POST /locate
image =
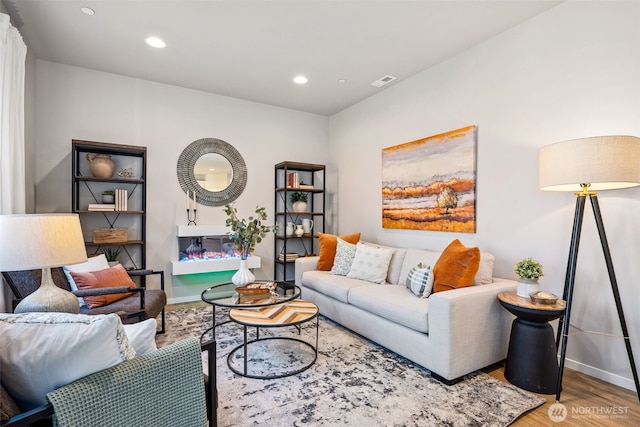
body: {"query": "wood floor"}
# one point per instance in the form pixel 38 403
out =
pixel 589 401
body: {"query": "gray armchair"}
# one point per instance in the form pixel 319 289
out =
pixel 161 388
pixel 143 304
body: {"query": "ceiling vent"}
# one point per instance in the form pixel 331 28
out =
pixel 383 81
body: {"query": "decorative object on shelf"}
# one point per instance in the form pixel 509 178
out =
pixel 110 235
pixel 291 227
pixel 307 225
pixel 299 230
pixel 125 173
pixel 245 234
pixel 191 221
pixel 101 165
pixel 42 241
pixel 108 196
pixel 206 148
pixel 584 166
pixel 112 254
pixel 528 271
pixel 298 201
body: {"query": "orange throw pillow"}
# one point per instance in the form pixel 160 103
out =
pixel 456 267
pixel 107 278
pixel 328 245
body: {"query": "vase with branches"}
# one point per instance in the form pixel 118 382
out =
pixel 246 233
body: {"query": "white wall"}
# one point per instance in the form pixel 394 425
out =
pixel 571 72
pixel 76 103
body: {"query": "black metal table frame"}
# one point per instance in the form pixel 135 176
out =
pixel 212 348
pixel 245 344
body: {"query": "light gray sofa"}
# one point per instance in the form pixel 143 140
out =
pixel 451 333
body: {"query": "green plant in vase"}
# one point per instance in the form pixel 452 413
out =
pixel 298 201
pixel 112 254
pixel 529 271
pixel 245 235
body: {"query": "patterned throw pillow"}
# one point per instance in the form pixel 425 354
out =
pixel 420 280
pixel 370 263
pixel 345 252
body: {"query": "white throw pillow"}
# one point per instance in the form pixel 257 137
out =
pixel 484 276
pixel 370 263
pixel 420 281
pixel 345 252
pixel 94 263
pixel 40 352
pixel 142 336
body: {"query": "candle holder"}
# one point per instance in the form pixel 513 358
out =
pixel 195 216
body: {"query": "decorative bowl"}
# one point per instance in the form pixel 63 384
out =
pixel 542 297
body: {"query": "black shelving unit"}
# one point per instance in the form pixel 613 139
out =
pixel 87 189
pixel 312 175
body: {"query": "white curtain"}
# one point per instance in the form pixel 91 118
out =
pixel 13 53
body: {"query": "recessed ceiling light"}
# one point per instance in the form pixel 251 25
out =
pixel 342 81
pixel 300 80
pixel 87 10
pixel 155 42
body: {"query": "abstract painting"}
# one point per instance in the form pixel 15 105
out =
pixel 430 184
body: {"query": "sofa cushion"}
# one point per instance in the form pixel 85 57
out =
pixel 414 257
pixel 40 352
pixel 484 276
pixel 420 280
pixel 108 278
pixel 395 265
pixel 142 336
pixel 94 263
pixel 395 303
pixel 345 252
pixel 334 286
pixel 456 267
pixel 370 263
pixel 328 244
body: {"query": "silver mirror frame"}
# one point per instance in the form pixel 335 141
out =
pixel 187 179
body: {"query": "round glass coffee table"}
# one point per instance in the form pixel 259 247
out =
pixel 225 296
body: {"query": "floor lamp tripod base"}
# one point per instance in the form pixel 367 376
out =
pixel 570 280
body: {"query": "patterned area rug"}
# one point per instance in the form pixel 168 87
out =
pixel 353 382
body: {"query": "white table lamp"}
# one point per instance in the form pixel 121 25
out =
pixel 42 241
pixel 585 166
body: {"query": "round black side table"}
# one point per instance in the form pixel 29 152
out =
pixel 532 359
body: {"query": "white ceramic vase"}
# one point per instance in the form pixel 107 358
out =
pixel 299 206
pixel 527 287
pixel 243 276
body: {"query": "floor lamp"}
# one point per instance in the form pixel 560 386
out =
pixel 585 166
pixel 42 241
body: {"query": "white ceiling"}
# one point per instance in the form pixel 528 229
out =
pixel 252 49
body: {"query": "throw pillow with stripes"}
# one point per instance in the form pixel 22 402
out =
pixel 420 280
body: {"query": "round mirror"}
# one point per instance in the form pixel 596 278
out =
pixel 212 169
pixel 213 172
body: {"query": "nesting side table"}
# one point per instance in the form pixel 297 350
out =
pixel 532 360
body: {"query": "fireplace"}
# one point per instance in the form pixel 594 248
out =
pixel 203 249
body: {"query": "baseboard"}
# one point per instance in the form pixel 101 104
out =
pixel 182 300
pixel 601 375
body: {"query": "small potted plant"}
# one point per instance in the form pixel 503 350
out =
pixel 298 201
pixel 528 271
pixel 108 197
pixel 111 254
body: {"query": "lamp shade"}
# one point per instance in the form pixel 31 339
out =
pixel 36 241
pixel 603 162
